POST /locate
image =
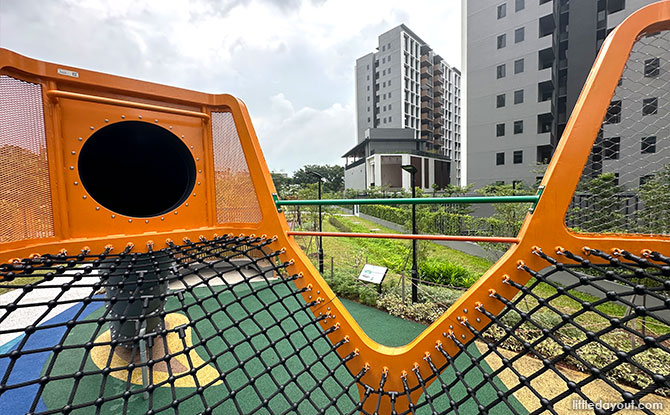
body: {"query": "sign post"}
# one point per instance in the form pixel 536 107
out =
pixel 374 274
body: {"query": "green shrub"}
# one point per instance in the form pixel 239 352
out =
pixel 347 286
pixel 422 312
pixel 446 273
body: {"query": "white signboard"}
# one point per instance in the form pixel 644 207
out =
pixel 357 210
pixel 373 274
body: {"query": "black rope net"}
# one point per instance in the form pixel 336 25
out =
pixel 219 326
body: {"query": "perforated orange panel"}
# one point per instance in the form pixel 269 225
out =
pixel 25 201
pixel 236 200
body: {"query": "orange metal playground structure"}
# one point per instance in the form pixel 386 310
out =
pixel 118 165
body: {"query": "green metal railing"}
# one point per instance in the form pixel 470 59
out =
pixel 410 201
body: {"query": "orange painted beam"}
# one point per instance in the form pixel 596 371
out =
pixel 500 239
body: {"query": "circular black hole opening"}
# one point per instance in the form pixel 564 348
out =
pixel 137 169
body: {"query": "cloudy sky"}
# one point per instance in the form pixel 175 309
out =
pixel 291 61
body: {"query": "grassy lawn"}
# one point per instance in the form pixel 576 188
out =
pixel 390 253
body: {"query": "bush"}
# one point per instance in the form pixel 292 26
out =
pixel 422 312
pixel 347 286
pixel 446 273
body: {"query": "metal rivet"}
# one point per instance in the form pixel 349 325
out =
pixel 479 320
pixel 97 208
pixel 191 147
pixel 71 167
pixel 155 120
pixel 197 159
pixel 83 197
pixel 458 318
pixel 92 128
pixel 444 334
pixel 198 183
pixel 123 116
pixel 113 216
pixel 451 326
pixel 106 120
pixel 162 217
pixel 309 298
pixel 199 171
pixel 79 138
pixel 76 183
pixel 170 127
pixel 462 336
pixel 146 221
pixel 193 194
pixel 175 212
pixel 318 292
pixel 465 310
pixel 182 136
pixel 73 152
pixel 186 205
pixel 139 116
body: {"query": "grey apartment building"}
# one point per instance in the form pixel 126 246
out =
pixel 526 64
pixel 406 90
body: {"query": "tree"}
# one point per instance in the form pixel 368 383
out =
pixel 600 208
pixel 508 216
pixel 334 176
pixel 655 196
pixel 282 184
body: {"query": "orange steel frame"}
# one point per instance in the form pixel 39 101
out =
pixel 79 224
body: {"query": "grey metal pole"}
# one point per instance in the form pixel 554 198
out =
pixel 415 282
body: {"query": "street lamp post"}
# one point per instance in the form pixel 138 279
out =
pixel 320 179
pixel 412 171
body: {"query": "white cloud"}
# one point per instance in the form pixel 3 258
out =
pixel 291 138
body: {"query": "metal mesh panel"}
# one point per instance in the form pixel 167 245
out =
pixel 236 200
pixel 25 201
pixel 236 337
pixel 625 186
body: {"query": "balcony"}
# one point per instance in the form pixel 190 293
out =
pixel 438 69
pixel 426 95
pixel 438 81
pixel 439 91
pixel 425 61
pixel 438 131
pixel 438 121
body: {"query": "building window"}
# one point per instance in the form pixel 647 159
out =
pixel 502 10
pixel 518 66
pixel 502 41
pixel 500 130
pixel 500 101
pixel 500 159
pixel 648 145
pixel 390 107
pixel 390 119
pixel 611 147
pixel 652 67
pixel 614 6
pixel 645 179
pixel 518 96
pixel 518 157
pixel 518 127
pixel 368 99
pixel 649 106
pixel 368 119
pixel 500 71
pixel 613 113
pixel 519 35
pixel 389 95
pixel 519 5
